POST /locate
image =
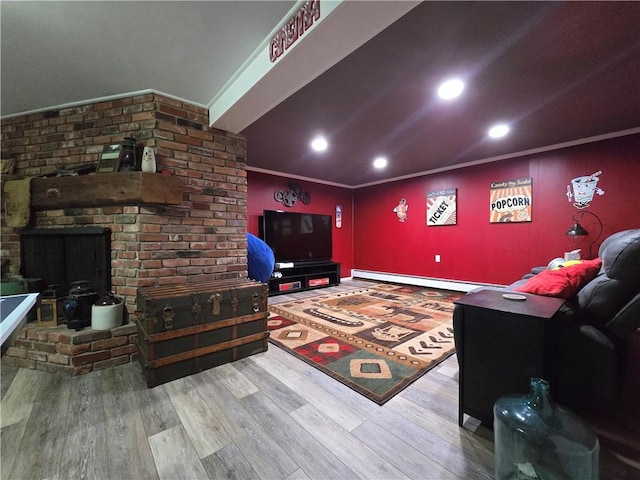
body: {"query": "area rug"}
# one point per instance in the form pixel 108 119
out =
pixel 376 340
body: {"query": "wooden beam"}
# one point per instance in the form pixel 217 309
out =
pixel 105 189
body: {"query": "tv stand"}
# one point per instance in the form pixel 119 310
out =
pixel 304 276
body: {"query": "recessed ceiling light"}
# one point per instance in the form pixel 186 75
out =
pixel 319 144
pixel 450 89
pixel 380 162
pixel 499 131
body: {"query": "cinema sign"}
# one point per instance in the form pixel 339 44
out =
pixel 299 23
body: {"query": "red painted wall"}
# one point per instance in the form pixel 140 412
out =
pixel 474 250
pixel 323 199
pixel 477 251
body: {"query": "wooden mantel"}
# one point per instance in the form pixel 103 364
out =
pixel 105 189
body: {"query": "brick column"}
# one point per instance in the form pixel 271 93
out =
pixel 203 239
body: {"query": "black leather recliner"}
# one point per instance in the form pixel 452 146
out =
pixel 591 367
pixel 591 333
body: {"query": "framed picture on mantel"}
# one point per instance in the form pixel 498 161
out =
pixel 109 159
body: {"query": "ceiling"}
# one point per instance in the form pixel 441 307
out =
pixel 559 73
pixel 60 52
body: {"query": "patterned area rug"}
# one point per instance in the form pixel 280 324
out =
pixel 376 340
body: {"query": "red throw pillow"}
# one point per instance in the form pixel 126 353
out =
pixel 564 282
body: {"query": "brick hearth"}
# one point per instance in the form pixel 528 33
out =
pixel 70 352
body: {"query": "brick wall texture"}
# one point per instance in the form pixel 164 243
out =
pixel 203 239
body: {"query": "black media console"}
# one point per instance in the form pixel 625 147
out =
pixel 303 276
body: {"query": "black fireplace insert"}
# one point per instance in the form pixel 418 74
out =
pixel 65 255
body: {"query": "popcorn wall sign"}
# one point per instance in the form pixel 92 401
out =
pixel 511 201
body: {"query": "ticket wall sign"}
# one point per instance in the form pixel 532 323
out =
pixel 511 201
pixel 441 207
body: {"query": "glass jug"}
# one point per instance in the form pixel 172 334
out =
pixel 536 438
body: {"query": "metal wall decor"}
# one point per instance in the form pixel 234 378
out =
pixel 295 27
pixel 289 197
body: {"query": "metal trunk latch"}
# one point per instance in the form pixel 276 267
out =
pixel 214 300
pixel 255 302
pixel 168 315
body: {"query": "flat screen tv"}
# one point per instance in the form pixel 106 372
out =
pixel 298 237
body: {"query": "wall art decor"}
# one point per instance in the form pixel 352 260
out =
pixel 441 207
pixel 582 189
pixel 401 210
pixel 338 216
pixel 289 197
pixel 511 201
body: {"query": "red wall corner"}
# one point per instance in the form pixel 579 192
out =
pixel 261 188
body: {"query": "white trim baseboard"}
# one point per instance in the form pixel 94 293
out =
pixel 442 283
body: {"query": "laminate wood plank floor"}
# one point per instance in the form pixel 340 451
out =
pixel 270 416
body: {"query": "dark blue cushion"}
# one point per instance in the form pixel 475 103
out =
pixel 260 258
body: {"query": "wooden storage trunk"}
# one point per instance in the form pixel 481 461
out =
pixel 189 328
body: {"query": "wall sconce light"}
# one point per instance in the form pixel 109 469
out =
pixel 578 230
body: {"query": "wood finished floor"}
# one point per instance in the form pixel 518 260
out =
pixel 269 416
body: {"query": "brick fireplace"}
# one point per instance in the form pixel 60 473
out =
pixel 202 239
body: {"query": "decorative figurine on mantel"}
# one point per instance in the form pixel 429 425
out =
pixel 148 163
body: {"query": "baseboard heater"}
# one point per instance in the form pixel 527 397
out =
pixel 441 283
